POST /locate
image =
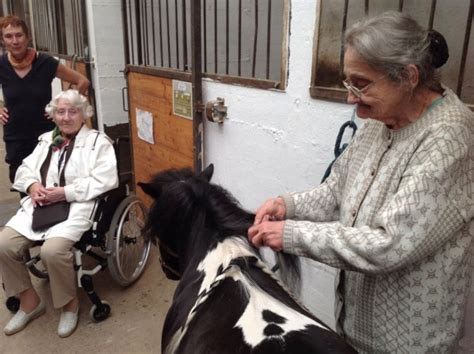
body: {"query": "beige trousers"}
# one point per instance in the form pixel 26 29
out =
pixel 56 256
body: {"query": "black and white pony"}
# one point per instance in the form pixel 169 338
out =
pixel 227 300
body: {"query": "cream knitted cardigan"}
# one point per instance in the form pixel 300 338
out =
pixel 396 214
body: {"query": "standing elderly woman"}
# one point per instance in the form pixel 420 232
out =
pixel 90 170
pixel 396 213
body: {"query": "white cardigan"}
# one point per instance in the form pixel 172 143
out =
pixel 90 171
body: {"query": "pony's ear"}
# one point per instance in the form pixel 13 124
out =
pixel 207 173
pixel 149 189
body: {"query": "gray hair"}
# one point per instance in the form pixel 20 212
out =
pixel 75 99
pixel 392 40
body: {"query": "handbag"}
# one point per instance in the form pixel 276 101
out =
pixel 46 216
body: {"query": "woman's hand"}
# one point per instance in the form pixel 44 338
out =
pixel 267 233
pixel 37 193
pixel 4 116
pixel 272 209
pixel 54 195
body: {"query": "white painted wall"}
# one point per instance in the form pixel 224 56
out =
pixel 275 142
pixel 106 50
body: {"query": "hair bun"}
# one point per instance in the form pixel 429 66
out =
pixel 438 49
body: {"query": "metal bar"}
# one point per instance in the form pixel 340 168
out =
pixel 74 25
pixel 52 25
pixel 432 14
pixel 62 47
pixel 284 47
pixel 197 86
pixel 185 37
pixel 168 32
pixel 126 48
pixel 141 30
pixel 176 25
pixel 269 37
pixel 255 39
pixel 215 36
pixel 153 31
pixel 239 45
pixel 343 30
pixel 465 48
pixel 366 7
pixel 400 5
pixel 84 32
pixel 227 37
pixel 138 32
pixel 48 31
pixel 161 32
pixel 38 20
pixel 130 19
pixel 39 25
pixel 146 42
pixel 204 18
pixel 44 33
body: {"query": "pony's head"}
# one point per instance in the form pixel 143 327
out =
pixel 185 205
pixel 171 212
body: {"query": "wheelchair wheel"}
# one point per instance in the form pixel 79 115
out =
pixel 101 312
pixel 127 248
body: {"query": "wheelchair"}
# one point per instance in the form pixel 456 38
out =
pixel 114 241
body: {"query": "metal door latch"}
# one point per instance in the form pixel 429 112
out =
pixel 216 111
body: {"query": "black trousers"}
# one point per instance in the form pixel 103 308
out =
pixel 16 151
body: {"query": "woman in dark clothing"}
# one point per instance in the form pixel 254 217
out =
pixel 26 78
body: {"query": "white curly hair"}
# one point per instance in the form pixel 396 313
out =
pixel 75 99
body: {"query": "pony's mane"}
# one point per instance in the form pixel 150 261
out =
pixel 185 200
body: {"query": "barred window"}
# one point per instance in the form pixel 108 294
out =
pixel 243 41
pixel 60 27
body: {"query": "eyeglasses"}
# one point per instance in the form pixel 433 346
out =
pixel 358 92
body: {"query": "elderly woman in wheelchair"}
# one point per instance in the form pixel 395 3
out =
pixel 70 167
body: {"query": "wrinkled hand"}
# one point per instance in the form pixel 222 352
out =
pixel 4 116
pixel 272 209
pixel 54 195
pixel 267 233
pixel 37 193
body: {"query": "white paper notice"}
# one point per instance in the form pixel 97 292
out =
pixel 145 125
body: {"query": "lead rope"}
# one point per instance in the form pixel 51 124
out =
pixel 338 149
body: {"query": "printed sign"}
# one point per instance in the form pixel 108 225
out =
pixel 182 99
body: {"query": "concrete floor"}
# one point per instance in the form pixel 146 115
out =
pixel 137 311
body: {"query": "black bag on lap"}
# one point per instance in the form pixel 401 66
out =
pixel 47 216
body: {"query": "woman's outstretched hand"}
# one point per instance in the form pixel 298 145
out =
pixel 274 209
pixel 267 233
pixel 267 229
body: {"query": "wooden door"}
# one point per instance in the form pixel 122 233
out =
pixel 172 134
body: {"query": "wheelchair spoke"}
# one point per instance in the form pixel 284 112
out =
pixel 131 248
